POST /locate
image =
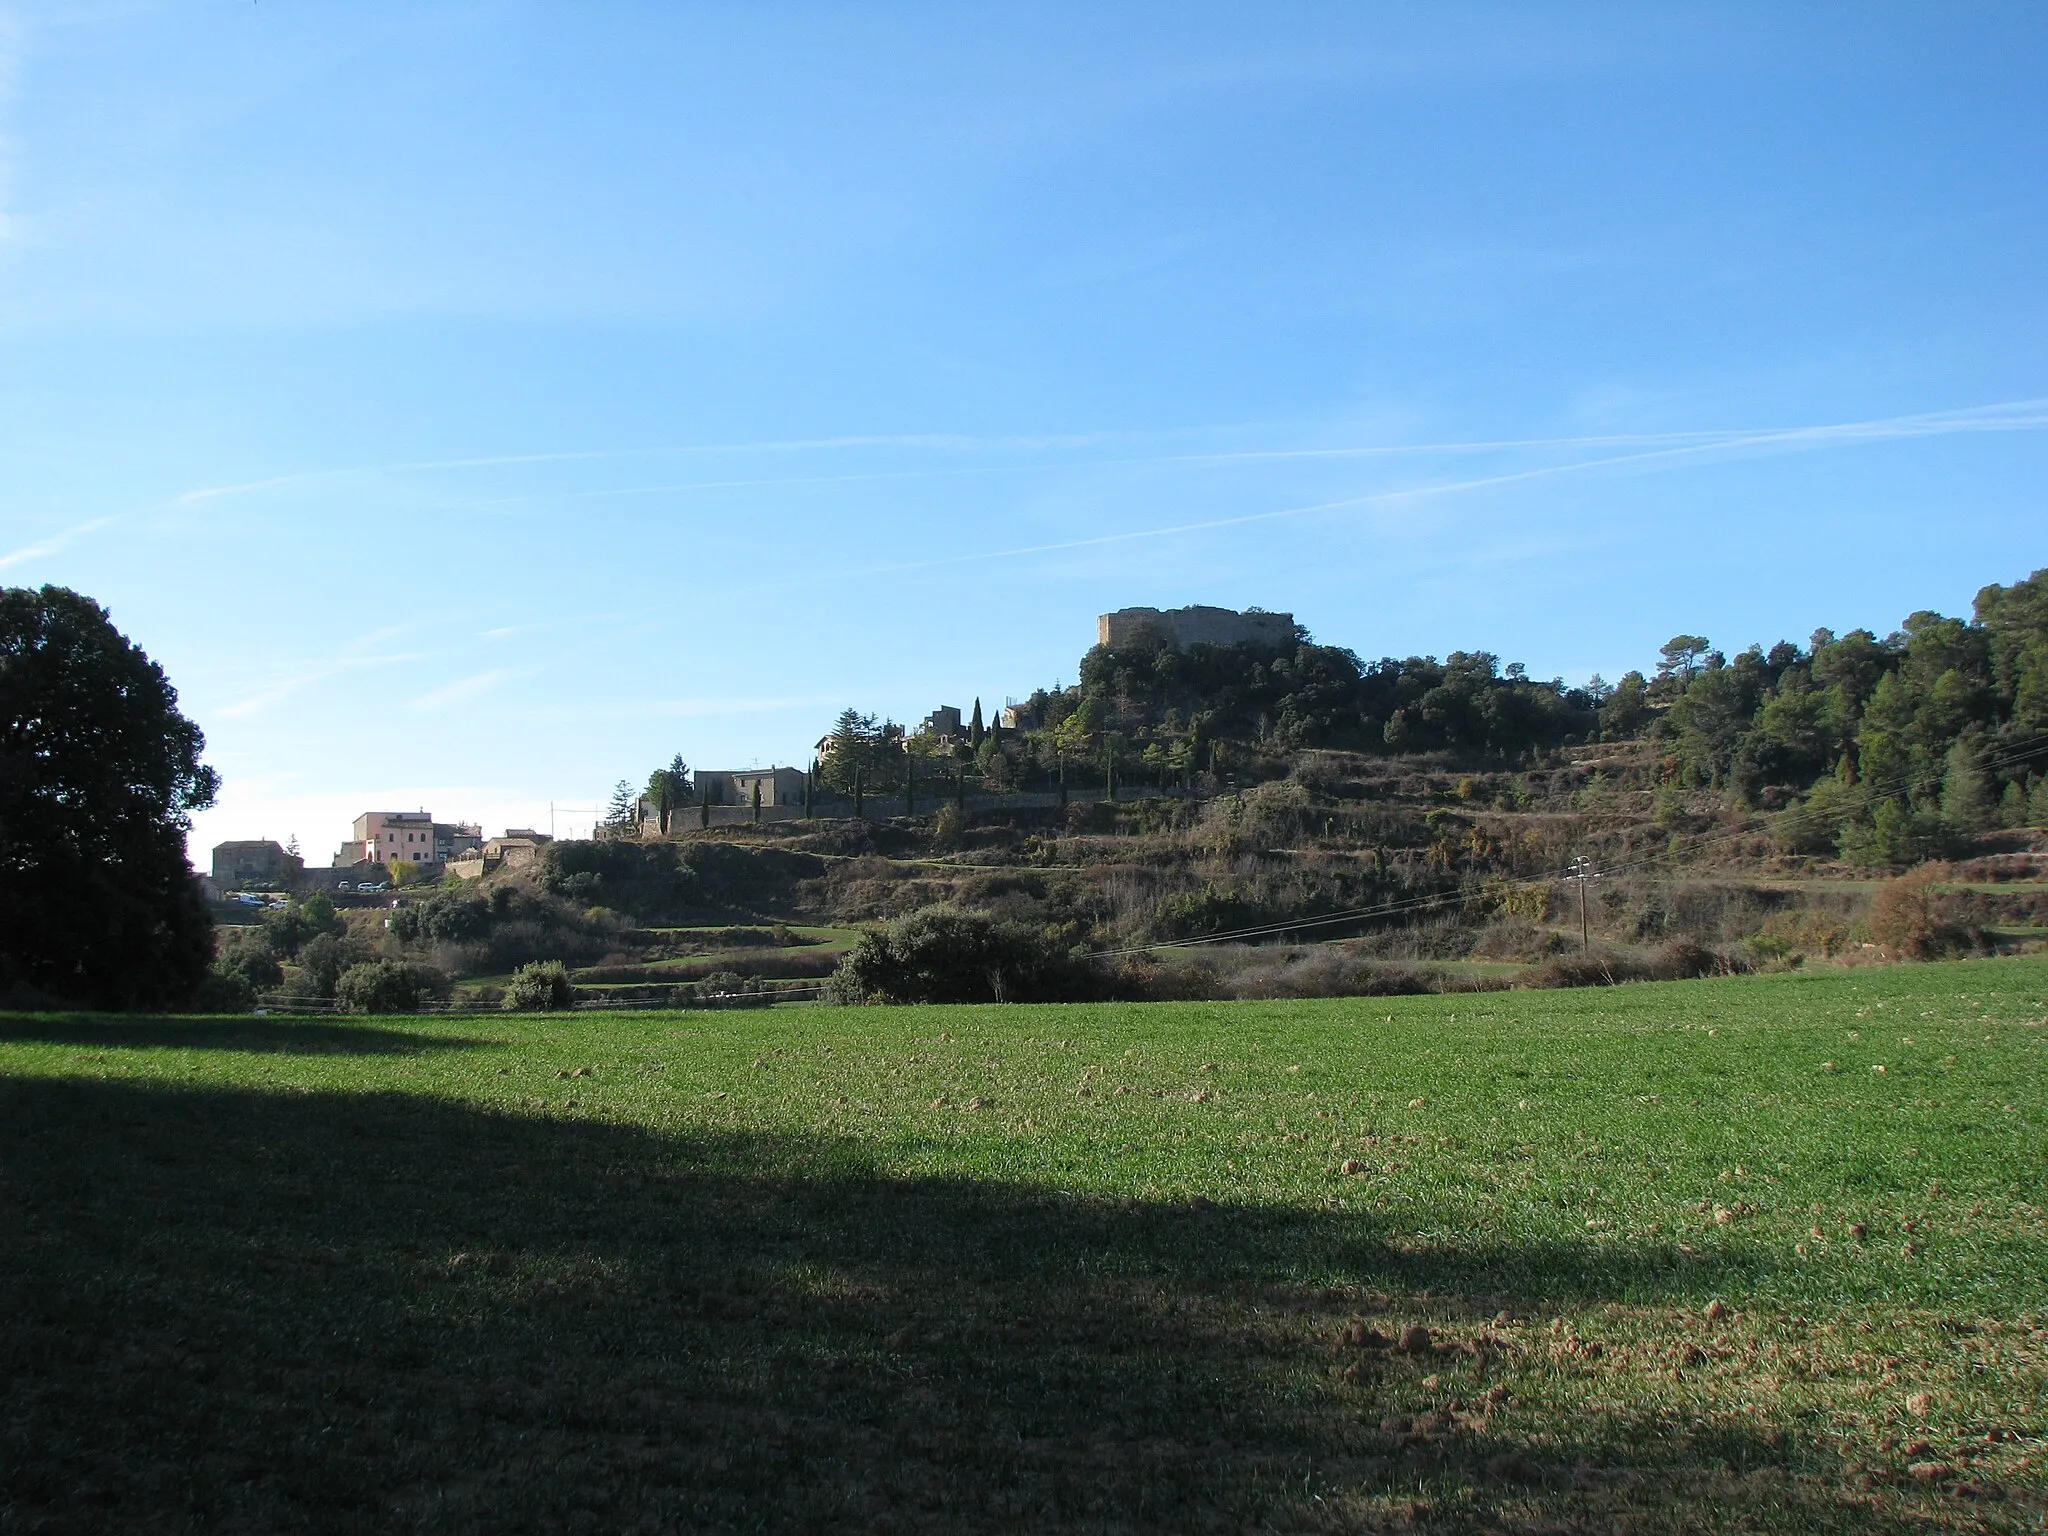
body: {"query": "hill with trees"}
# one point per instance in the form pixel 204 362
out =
pixel 1294 820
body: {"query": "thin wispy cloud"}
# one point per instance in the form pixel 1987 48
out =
pixel 2003 416
pixel 305 677
pixel 1635 448
pixel 55 543
pixel 463 688
pixel 1676 449
pixel 926 440
pixel 680 709
pixel 1785 438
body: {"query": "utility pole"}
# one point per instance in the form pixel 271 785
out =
pixel 1582 871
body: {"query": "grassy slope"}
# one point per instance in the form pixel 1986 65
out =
pixel 774 1270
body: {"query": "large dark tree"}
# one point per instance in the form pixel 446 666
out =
pixel 99 775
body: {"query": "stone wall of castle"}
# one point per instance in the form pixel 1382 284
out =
pixel 1197 626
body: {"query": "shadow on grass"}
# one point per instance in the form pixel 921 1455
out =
pixel 248 1310
pixel 235 1032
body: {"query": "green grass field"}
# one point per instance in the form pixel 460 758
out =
pixel 1760 1254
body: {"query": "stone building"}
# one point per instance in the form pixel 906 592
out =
pixel 1183 627
pixel 261 862
pixel 779 786
pixel 518 848
pixel 945 724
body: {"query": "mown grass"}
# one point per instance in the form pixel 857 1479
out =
pixel 1687 1258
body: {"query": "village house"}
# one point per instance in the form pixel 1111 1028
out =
pixel 378 837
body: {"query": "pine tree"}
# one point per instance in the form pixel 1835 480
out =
pixel 1967 802
pixel 2012 806
pixel 624 809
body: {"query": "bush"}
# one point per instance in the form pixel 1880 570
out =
pixel 1791 937
pixel 729 989
pixel 944 956
pixel 321 962
pixel 1908 919
pixel 1681 960
pixel 542 987
pixel 1194 914
pixel 245 953
pixel 1328 971
pixel 292 927
pixel 457 916
pixel 223 992
pixel 385 986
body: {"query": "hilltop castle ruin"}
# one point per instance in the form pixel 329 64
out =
pixel 1198 626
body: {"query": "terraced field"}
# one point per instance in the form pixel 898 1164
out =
pixel 1764 1253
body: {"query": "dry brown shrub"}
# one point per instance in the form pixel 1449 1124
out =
pixel 1909 918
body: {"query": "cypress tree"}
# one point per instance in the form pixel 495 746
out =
pixel 807 788
pixel 974 730
pixel 757 802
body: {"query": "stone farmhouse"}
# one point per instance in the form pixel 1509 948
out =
pixel 518 848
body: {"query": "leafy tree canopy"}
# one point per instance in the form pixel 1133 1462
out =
pixel 1932 733
pixel 99 777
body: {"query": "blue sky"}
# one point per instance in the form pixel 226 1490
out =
pixel 472 404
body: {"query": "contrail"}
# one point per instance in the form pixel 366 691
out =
pixel 1933 424
pixel 2005 416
